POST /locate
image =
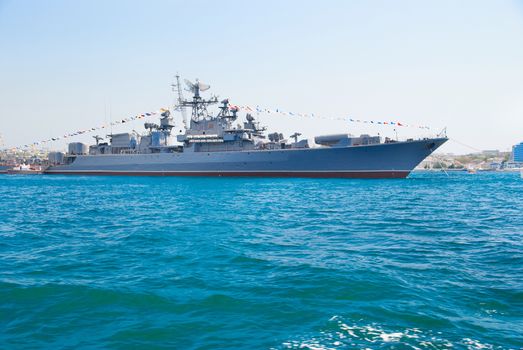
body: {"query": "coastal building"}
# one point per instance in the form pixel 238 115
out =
pixel 495 165
pixel 517 153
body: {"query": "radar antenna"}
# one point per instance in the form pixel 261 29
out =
pixel 198 105
pixel 191 87
pixel 196 87
pixel 202 86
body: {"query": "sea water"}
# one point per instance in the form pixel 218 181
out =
pixel 429 262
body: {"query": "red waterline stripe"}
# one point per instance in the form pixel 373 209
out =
pixel 310 174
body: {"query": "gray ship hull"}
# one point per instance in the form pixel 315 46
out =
pixel 386 160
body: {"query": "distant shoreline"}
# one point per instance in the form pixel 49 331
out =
pixel 511 170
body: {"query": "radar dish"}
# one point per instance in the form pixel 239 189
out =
pixel 203 87
pixel 189 84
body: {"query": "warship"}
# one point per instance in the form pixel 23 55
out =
pixel 217 144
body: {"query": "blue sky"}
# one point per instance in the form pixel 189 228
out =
pixel 68 65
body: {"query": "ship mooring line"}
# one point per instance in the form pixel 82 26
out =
pixel 464 144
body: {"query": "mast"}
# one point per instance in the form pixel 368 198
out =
pixel 180 105
pixel 198 104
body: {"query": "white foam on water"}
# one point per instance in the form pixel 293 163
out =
pixel 388 337
pixel 370 336
pixel 474 344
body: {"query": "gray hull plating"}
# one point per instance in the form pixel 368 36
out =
pixel 380 160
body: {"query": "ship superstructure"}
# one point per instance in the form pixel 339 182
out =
pixel 219 145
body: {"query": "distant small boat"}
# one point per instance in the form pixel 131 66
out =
pixel 471 171
pixel 25 170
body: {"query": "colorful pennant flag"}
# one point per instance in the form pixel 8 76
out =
pixel 81 132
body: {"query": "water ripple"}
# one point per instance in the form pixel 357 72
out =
pixel 431 262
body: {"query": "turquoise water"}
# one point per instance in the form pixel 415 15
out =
pixel 430 262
